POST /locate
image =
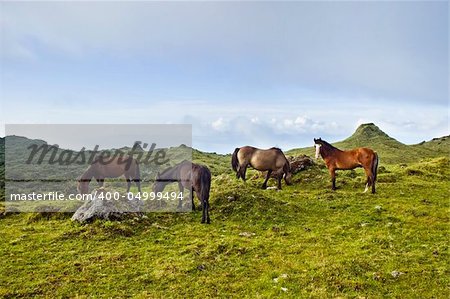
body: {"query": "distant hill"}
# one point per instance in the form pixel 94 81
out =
pixel 440 145
pixel 390 150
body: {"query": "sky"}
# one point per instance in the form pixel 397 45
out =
pixel 242 73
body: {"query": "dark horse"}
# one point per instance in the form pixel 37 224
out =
pixel 113 168
pixel 190 176
pixel 336 159
pixel 272 160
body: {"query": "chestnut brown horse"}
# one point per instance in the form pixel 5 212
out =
pixel 113 168
pixel 270 160
pixel 336 159
pixel 191 176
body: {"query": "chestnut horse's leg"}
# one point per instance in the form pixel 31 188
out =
pixel 333 178
pixel 264 185
pixel 369 179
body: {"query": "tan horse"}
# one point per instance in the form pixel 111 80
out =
pixel 272 160
pixel 112 168
pixel 336 159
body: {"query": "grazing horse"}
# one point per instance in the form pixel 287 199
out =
pixel 113 168
pixel 336 159
pixel 272 160
pixel 190 176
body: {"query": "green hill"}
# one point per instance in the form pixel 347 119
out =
pixel 301 242
pixel 389 149
pixel 438 145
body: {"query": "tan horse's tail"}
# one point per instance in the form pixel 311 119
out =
pixel 234 160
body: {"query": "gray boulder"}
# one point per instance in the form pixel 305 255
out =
pixel 108 209
pixel 300 163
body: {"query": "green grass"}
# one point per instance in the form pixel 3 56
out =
pixel 307 239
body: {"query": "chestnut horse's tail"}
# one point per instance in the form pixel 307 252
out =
pixel 375 167
pixel 234 160
pixel 374 170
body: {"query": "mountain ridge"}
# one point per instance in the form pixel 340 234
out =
pixel 366 135
pixel 389 149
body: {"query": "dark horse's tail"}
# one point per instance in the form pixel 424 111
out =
pixel 374 170
pixel 205 186
pixel 234 159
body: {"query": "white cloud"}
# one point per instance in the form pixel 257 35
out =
pixel 220 124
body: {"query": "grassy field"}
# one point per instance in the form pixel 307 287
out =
pixel 303 241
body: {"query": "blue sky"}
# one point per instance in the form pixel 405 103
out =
pixel 257 73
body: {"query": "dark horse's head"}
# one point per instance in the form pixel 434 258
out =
pixel 159 184
pixel 162 179
pixel 83 186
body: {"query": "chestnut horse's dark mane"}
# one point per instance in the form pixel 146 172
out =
pixel 326 149
pixel 329 145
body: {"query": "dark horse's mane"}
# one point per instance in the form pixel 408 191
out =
pixel 276 148
pixel 173 167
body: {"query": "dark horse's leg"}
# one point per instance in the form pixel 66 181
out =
pixel 205 211
pixel 264 185
pixel 204 198
pixel 100 182
pixel 180 186
pixel 192 198
pixel 128 184
pixel 138 184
